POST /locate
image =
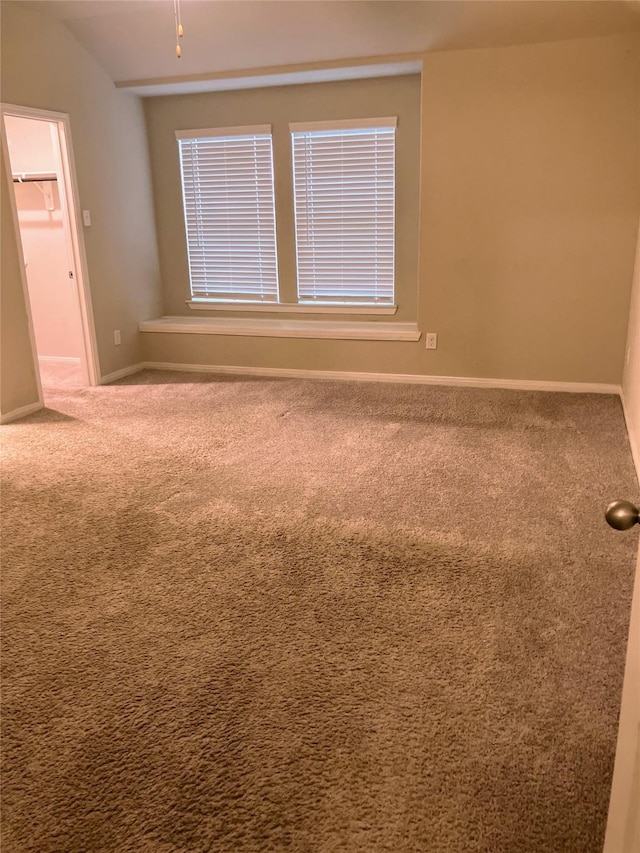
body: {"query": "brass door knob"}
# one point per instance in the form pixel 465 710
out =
pixel 622 515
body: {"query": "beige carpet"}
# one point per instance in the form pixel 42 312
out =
pixel 64 374
pixel 259 615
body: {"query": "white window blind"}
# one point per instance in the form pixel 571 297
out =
pixel 344 182
pixel 227 185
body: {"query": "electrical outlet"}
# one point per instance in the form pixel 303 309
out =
pixel 116 337
pixel 431 340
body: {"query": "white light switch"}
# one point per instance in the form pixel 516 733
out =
pixel 86 217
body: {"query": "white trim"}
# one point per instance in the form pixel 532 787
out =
pixel 120 374
pixel 258 78
pixel 252 327
pixel 76 235
pixel 22 412
pixel 70 198
pixel 58 359
pixel 213 132
pixel 623 820
pixel 32 112
pixel 408 378
pixel 634 439
pixel 343 124
pixel 290 307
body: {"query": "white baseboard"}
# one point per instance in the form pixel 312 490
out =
pixel 634 437
pixel 59 359
pixel 120 374
pixel 411 378
pixel 22 412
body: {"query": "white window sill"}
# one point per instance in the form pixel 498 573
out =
pixel 251 327
pixel 290 307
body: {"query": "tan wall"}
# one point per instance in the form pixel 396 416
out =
pixel 531 207
pixel 44 66
pixel 631 379
pixel 278 107
pixel 18 384
pixel 530 193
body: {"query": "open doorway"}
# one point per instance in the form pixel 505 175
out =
pixel 46 217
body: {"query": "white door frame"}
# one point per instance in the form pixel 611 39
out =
pixel 69 198
pixel 623 822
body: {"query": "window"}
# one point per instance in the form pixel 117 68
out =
pixel 344 182
pixel 227 186
pixel 344 208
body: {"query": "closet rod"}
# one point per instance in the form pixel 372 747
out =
pixel 33 178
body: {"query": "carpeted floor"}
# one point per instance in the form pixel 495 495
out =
pixel 64 374
pixel 261 615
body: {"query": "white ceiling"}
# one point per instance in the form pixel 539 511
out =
pixel 135 40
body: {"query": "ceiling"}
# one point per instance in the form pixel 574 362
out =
pixel 134 40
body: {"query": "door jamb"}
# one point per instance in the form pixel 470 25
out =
pixel 623 821
pixel 91 361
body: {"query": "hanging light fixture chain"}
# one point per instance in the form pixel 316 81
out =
pixel 180 29
pixel 177 17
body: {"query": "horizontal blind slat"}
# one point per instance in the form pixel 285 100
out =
pixel 344 187
pixel 228 201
